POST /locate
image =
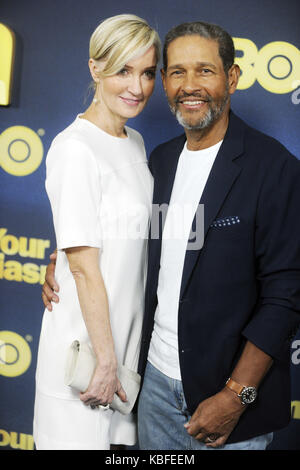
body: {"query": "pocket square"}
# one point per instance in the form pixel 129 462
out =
pixel 226 221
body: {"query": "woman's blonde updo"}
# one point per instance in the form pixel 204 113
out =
pixel 121 38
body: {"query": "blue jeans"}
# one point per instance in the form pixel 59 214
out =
pixel 162 412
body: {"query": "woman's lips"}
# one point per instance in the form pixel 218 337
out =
pixel 130 101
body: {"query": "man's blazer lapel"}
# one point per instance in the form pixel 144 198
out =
pixel 221 178
pixel 163 185
pixel 167 170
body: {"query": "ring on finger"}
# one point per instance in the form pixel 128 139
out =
pixel 104 407
pixel 211 438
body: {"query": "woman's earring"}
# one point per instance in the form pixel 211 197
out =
pixel 96 100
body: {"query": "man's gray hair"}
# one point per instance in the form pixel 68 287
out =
pixel 205 30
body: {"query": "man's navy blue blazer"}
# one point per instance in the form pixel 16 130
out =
pixel 244 284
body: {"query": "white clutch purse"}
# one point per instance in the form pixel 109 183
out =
pixel 80 366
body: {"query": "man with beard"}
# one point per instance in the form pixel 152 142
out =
pixel 219 319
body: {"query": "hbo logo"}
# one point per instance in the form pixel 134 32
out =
pixel 15 354
pixel 276 66
pixel 21 150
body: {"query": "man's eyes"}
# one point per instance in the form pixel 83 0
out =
pixel 176 74
pixel 204 71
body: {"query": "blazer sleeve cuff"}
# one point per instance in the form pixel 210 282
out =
pixel 272 329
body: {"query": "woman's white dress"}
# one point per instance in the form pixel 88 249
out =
pixel 100 190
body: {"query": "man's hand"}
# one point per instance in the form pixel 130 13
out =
pixel 215 418
pixel 50 285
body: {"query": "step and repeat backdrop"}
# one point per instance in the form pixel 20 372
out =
pixel 44 82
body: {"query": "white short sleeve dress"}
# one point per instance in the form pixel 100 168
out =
pixel 100 190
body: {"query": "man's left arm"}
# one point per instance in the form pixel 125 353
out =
pixel 277 315
pixel 276 318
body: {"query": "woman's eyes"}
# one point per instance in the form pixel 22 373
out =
pixel 123 72
pixel 150 74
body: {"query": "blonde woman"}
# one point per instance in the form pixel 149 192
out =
pixel 98 183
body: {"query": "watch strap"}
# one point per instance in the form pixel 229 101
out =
pixel 234 386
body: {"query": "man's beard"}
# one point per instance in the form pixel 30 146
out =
pixel 215 109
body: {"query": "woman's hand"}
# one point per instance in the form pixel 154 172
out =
pixel 103 386
pixel 50 285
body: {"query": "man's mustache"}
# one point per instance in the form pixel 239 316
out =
pixel 196 96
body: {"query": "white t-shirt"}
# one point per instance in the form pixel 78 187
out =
pixel 99 187
pixel 192 172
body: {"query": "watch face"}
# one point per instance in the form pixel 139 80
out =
pixel 248 395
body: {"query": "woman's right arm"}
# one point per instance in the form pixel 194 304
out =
pixel 84 265
pixel 73 185
pixel 50 285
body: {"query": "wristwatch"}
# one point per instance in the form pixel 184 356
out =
pixel 247 395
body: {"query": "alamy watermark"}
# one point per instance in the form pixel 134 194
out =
pixel 296 93
pixel 296 353
pixel 184 223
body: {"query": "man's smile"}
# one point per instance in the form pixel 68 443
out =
pixel 192 104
